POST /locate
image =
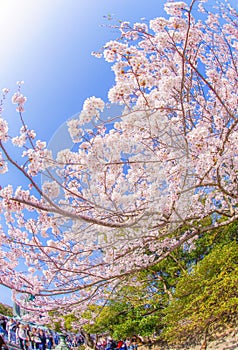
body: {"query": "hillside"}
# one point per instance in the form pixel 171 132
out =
pixel 6 310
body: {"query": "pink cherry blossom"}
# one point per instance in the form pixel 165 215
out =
pixel 133 183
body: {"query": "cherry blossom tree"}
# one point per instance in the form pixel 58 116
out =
pixel 135 187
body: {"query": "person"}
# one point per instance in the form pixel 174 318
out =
pixel 32 335
pixel 133 345
pixel 16 330
pixel 127 342
pixel 3 332
pixel 42 345
pixel 11 329
pixel 110 344
pixel 36 338
pixel 3 344
pixel 123 346
pixel 28 334
pixel 49 340
pixel 22 335
pixel 3 322
pixel 119 344
pixel 74 341
pixel 56 339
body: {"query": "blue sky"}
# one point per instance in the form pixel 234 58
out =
pixel 48 44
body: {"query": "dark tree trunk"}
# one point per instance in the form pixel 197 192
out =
pixel 88 339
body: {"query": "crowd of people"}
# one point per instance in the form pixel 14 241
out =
pixel 107 343
pixel 31 337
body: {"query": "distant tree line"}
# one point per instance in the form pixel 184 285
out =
pixel 5 310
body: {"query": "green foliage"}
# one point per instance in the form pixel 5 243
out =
pixel 5 310
pixel 69 319
pixel 190 291
pixel 65 324
pixel 206 297
pixel 134 311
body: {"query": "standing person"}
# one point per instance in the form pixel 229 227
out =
pixel 75 342
pixel 10 327
pixel 28 334
pixel 17 340
pixel 49 341
pixel 32 334
pixel 3 322
pixel 22 335
pixel 119 344
pixel 123 346
pixel 133 345
pixel 128 343
pixel 3 331
pixel 36 338
pixel 42 345
pixel 56 339
pixel 2 343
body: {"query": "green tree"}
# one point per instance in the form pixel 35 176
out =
pixel 206 297
pixel 5 310
pixel 124 318
pixel 179 298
